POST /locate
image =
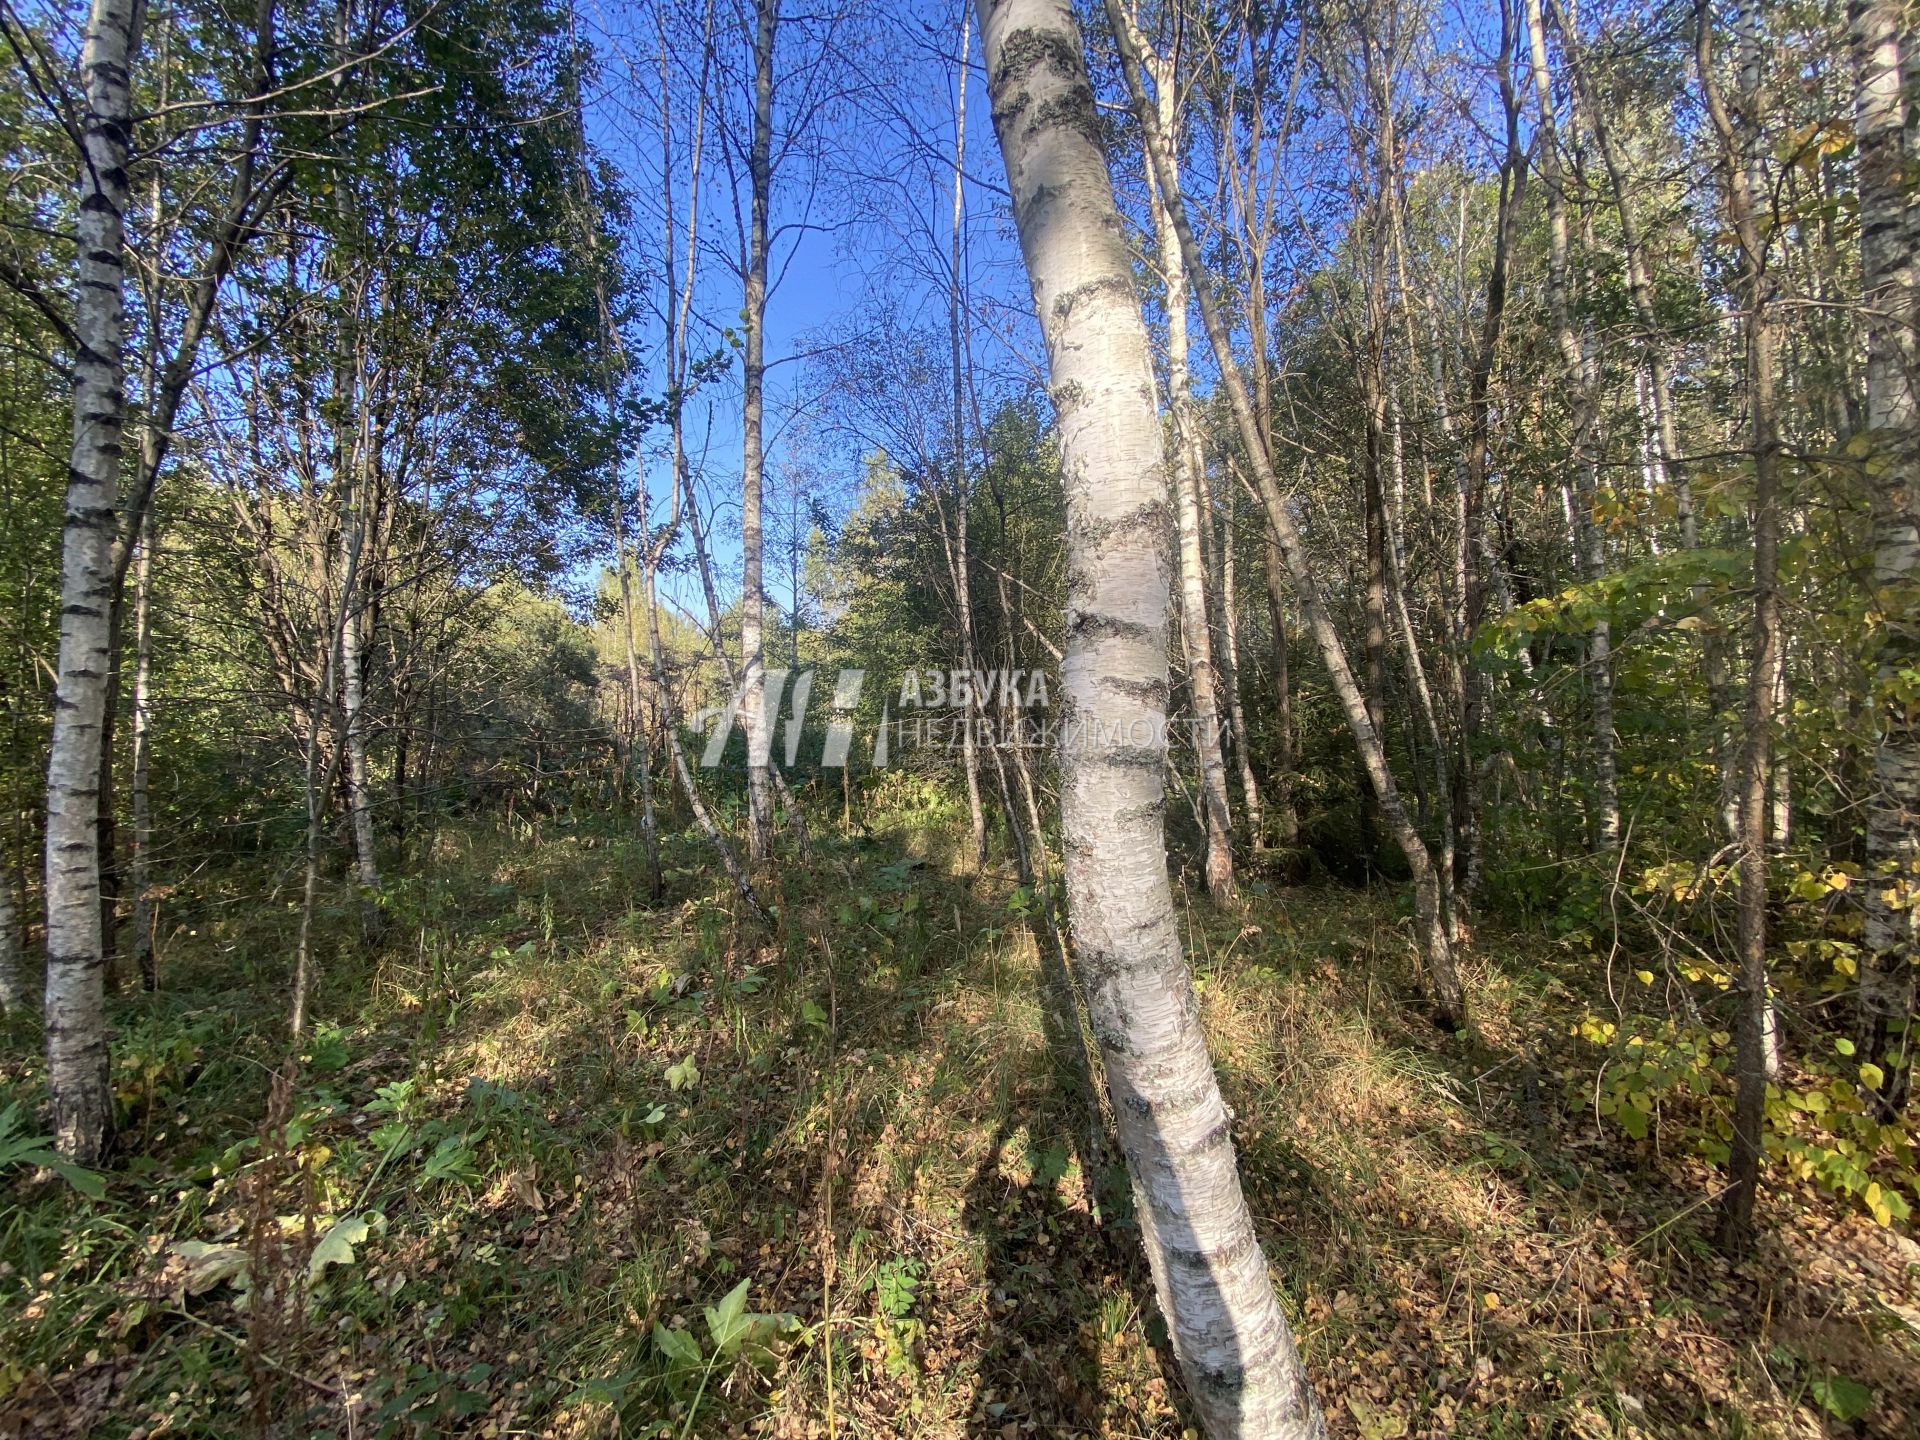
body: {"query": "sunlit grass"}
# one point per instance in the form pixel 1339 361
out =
pixel 864 1118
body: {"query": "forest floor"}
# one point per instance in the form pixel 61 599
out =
pixel 545 1133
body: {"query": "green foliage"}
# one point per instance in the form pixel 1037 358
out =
pixel 17 1148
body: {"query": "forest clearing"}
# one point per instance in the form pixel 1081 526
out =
pixel 649 1107
pixel 1158 718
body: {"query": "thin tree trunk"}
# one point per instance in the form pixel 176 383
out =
pixel 669 723
pixel 1476 566
pixel 1883 49
pixel 359 785
pixel 1288 820
pixel 320 779
pixel 1583 404
pixel 962 569
pixel 76 957
pixel 1436 947
pixel 1741 164
pixel 1196 633
pixel 1228 1330
pixel 140 862
pixel 13 988
pixel 753 714
pixel 1230 671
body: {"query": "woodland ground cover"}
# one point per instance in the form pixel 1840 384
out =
pixel 544 1134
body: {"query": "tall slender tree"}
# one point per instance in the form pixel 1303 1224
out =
pixel 76 956
pixel 1885 46
pixel 1228 1331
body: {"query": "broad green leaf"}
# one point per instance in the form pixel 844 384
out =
pixel 677 1345
pixel 336 1245
pixel 209 1265
pixel 1842 1398
pixel 725 1322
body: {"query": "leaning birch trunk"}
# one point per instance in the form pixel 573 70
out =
pixel 1882 48
pixel 753 712
pixel 76 959
pixel 13 989
pixel 1228 1331
pixel 1436 946
pixel 140 860
pixel 1196 633
pixel 1589 540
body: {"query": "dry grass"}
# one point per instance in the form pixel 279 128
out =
pixel 883 1140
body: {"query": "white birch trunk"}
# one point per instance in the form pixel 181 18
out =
pixel 753 714
pixel 1230 672
pixel 1883 50
pixel 1196 633
pixel 141 728
pixel 13 988
pixel 353 707
pixel 76 964
pixel 1228 1331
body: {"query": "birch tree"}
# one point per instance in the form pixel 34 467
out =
pixel 1228 1331
pixel 76 960
pixel 1883 51
pixel 1431 920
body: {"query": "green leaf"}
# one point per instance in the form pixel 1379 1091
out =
pixel 1842 1398
pixel 683 1076
pixel 677 1345
pixel 209 1265
pixel 336 1246
pixel 726 1322
pixel 1872 1076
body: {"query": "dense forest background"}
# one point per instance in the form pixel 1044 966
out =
pixel 554 875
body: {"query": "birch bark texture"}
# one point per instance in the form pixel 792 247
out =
pixel 1234 1347
pixel 1883 46
pixel 754 715
pixel 76 961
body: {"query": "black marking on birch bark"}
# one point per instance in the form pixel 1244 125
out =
pixel 1149 518
pixel 1023 51
pixel 1072 109
pixel 1154 810
pixel 1095 626
pixel 1149 692
pixel 1203 1261
pixel 1068 396
pixel 1181 1101
pixel 1120 286
pixel 1124 757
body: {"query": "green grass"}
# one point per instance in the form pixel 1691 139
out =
pixel 576 1122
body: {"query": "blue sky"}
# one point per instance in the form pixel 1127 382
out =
pixel 861 209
